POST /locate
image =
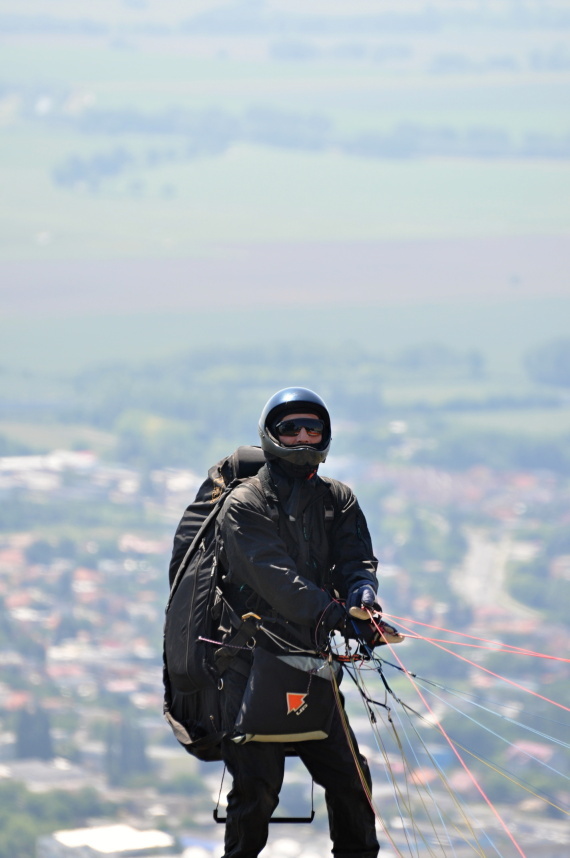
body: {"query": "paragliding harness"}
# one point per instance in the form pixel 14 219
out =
pixel 193 668
pixel 192 678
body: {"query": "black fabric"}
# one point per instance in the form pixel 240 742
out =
pixel 302 479
pixel 287 697
pixel 257 770
pixel 244 462
pixel 190 670
pixel 289 569
pixel 290 572
pixel 241 640
pixel 189 617
pixel 195 719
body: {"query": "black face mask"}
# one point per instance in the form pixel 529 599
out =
pixel 297 476
pixel 295 472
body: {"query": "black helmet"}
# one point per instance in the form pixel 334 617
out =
pixel 288 401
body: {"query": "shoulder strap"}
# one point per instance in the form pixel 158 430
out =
pixel 211 517
pixel 224 476
pixel 329 511
pixel 329 502
pixel 269 494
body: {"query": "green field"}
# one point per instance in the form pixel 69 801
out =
pixel 535 422
pixel 67 343
pixel 540 424
pixel 407 391
pixel 54 436
pixel 231 206
pixel 252 194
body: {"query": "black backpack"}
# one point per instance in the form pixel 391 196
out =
pixel 192 664
pixel 192 667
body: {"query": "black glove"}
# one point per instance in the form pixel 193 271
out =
pixel 373 634
pixel 361 599
pixel 361 630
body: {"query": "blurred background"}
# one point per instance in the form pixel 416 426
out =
pixel 201 203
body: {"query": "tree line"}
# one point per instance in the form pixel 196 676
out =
pixel 211 132
pixel 190 410
pixel 25 815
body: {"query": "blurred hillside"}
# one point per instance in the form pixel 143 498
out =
pixel 417 148
pixel 172 174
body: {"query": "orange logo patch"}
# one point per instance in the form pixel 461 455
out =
pixel 295 702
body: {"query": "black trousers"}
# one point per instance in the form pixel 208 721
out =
pixel 257 769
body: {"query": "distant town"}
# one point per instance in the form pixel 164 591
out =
pixel 80 661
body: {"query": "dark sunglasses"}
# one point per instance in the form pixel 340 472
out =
pixel 291 428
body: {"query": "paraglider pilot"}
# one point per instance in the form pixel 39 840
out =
pixel 300 566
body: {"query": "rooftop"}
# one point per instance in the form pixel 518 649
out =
pixel 116 840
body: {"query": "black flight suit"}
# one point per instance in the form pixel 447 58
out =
pixel 286 569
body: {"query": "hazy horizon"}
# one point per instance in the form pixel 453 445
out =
pixel 164 162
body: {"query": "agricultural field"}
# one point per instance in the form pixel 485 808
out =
pixel 146 131
pixel 252 195
pixel 179 180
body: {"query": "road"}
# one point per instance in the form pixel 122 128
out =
pixel 481 580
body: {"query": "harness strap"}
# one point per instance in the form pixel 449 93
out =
pixel 226 654
pixel 271 498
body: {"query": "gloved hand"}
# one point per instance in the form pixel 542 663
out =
pixel 362 630
pixel 361 599
pixel 373 634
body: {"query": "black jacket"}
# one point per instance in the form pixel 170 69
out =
pixel 289 570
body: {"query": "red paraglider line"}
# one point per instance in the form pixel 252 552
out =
pixel 492 648
pixel 486 670
pixel 510 647
pixel 454 749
